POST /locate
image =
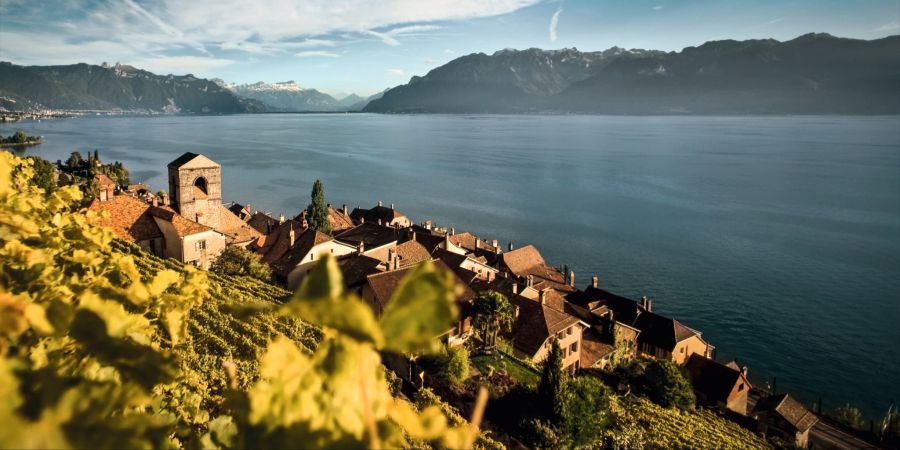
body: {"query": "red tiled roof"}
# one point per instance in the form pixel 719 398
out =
pixel 536 323
pixel 660 331
pixel 593 348
pixel 235 230
pixel 469 241
pixel 128 218
pixel 411 252
pixel 384 284
pixel 104 181
pixel 789 409
pixel 183 227
pixel 527 260
pixel 339 220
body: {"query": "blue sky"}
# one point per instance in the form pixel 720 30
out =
pixel 342 46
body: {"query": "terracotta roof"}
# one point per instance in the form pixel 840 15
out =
pixel 411 252
pixel 183 226
pixel 431 242
pixel 241 211
pixel 104 181
pixel 192 160
pixel 713 379
pixel 283 257
pixel 262 222
pixel 383 213
pixel 593 348
pixel 128 218
pixel 356 268
pixel 662 332
pixel 537 322
pixel 235 230
pixel 272 246
pixel 371 234
pixel 527 260
pixel 339 220
pixel 788 409
pixel 384 284
pixel 469 241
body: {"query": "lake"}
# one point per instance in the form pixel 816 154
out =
pixel 777 237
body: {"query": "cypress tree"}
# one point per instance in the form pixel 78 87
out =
pixel 317 211
pixel 552 382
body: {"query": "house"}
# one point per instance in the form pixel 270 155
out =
pixel 380 287
pixel 381 215
pixel 291 251
pixel 784 417
pixel 718 385
pixel 338 219
pixel 635 325
pixel 158 229
pixel 666 338
pixel 105 185
pixel 472 244
pixel 356 268
pixel 236 230
pixel 243 212
pixel 526 263
pixel 541 321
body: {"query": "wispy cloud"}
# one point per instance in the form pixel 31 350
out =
pixel 447 51
pixel 554 23
pixel 316 53
pixel 389 37
pixel 892 26
pixel 774 21
pixel 658 7
pixel 397 72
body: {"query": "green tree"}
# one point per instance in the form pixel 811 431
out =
pixel 586 412
pixel 317 211
pixel 664 384
pixel 456 364
pixel 44 174
pixel 849 415
pixel 75 161
pixel 20 137
pixel 492 313
pixel 550 390
pixel 240 261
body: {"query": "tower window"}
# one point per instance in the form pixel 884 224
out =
pixel 200 188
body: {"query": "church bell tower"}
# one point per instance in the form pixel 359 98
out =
pixel 195 187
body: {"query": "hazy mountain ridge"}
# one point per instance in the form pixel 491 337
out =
pixel 812 74
pixel 288 96
pixel 118 87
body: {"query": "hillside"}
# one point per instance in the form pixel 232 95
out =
pixel 111 88
pixel 812 74
pixel 287 96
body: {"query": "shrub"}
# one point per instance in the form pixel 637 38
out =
pixel 664 383
pixel 849 415
pixel 240 261
pixel 456 365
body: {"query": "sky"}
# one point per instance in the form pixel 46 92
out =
pixel 363 47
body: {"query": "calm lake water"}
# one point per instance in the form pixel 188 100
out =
pixel 777 237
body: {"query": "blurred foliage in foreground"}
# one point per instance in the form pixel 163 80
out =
pixel 101 346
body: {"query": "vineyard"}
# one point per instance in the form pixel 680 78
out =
pixel 672 428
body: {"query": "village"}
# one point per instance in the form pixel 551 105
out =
pixel 376 247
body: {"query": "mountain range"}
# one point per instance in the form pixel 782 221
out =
pixel 812 74
pixel 114 87
pixel 288 96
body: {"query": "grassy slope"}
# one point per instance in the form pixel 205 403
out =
pixel 217 335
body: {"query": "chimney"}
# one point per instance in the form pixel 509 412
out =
pixel 154 202
pixel 515 288
pixel 744 370
pixel 572 278
pixel 281 219
pixel 396 262
pixel 379 203
pixel 165 199
pixel 542 296
pixel 344 209
pixel 362 220
pixel 292 236
pixel 361 247
pixel 529 281
pixel 379 221
pixel 495 244
pixel 392 206
pixel 595 281
pixel 390 259
pixel 510 247
pixel 452 231
pixel 447 242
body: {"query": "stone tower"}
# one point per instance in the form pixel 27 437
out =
pixel 195 188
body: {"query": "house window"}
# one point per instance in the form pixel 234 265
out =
pixel 682 349
pixel 200 245
pixel 741 387
pixel 311 256
pixel 574 347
